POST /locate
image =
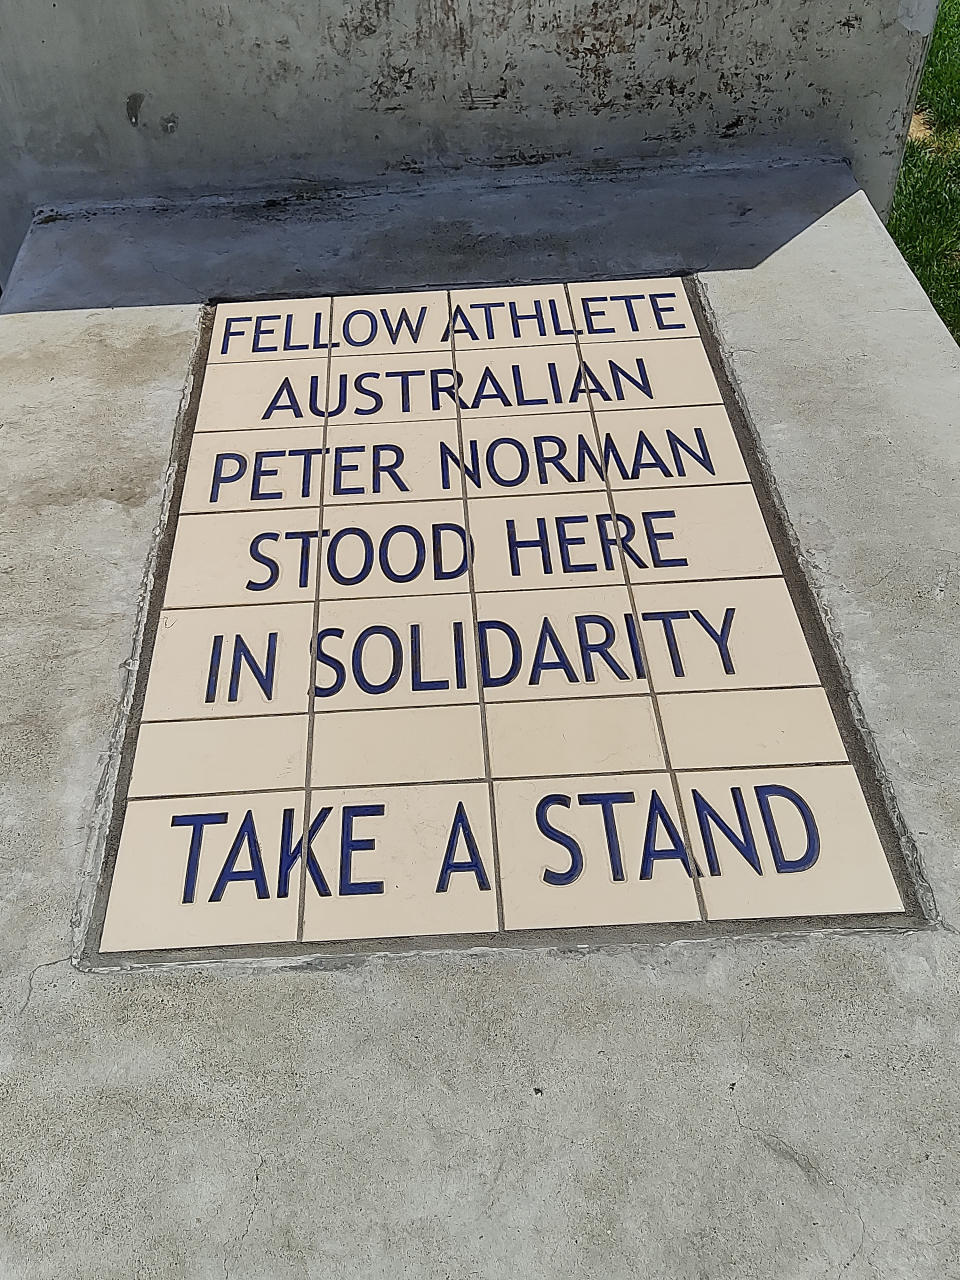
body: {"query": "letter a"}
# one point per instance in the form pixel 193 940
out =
pixel 461 826
pixel 284 401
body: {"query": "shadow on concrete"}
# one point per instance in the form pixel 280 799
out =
pixel 423 233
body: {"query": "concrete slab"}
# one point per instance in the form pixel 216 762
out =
pixel 731 1107
pixel 463 230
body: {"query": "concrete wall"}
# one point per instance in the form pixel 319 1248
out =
pixel 125 98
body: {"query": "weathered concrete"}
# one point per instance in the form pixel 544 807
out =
pixel 636 221
pixel 102 99
pixel 722 1109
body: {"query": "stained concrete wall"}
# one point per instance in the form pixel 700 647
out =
pixel 125 98
pixel 715 1109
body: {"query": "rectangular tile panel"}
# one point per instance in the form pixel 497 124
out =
pixel 469 624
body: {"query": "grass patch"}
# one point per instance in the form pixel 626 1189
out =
pixel 925 219
pixel 925 223
pixel 939 97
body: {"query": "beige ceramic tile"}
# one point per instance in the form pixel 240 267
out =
pixel 652 448
pixel 531 454
pixel 401 862
pixel 197 757
pixel 682 534
pixel 413 651
pixel 284 329
pixel 606 311
pixel 230 662
pixel 398 462
pixel 416 388
pixel 592 838
pixel 572 537
pixel 249 396
pixel 556 644
pixel 649 375
pixel 515 316
pixel 213 879
pixel 267 557
pixel 767 726
pixel 375 324
pixel 522 380
pixel 677 535
pixel 254 470
pixel 588 735
pixel 394 550
pixel 738 634
pixel 808 830
pixel 422 744
pixel 638 449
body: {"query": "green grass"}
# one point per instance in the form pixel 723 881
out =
pixel 925 223
pixel 939 97
pixel 925 219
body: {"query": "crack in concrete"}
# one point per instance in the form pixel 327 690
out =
pixel 246 1230
pixel 47 964
pixel 858 1250
pixel 809 1168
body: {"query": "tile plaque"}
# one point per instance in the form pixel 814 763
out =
pixel 470 624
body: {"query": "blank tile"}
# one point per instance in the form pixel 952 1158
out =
pixel 654 448
pixel 550 644
pixel 401 323
pixel 288 329
pixel 402 862
pixel 230 662
pixel 394 550
pixel 606 311
pixel 591 735
pixel 398 462
pixel 423 744
pixel 518 316
pixel 525 379
pixel 572 851
pixel 273 393
pixel 260 557
pixel 808 830
pixel 253 470
pixel 413 651
pixel 212 879
pixel 742 633
pixel 197 757
pixel 721 730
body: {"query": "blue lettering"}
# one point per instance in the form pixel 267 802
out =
pixel 461 827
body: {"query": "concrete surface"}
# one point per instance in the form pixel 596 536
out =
pixel 722 1109
pixel 639 220
pixel 102 99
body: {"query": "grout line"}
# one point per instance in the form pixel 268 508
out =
pixel 312 670
pixel 658 717
pixel 476 416
pixel 484 726
pixel 327 709
pixel 575 491
pixel 339 352
pixel 608 584
pixel 681 772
